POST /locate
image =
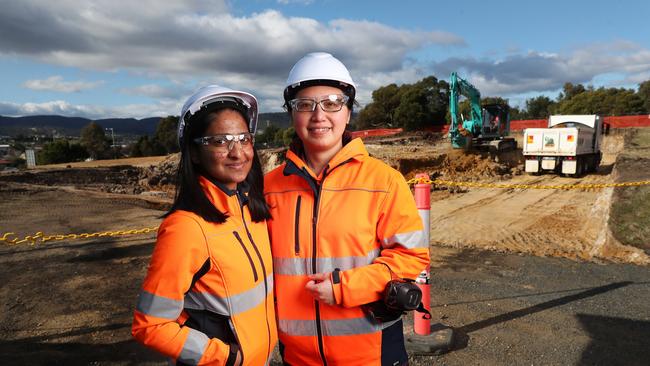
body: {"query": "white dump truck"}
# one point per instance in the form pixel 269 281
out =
pixel 570 145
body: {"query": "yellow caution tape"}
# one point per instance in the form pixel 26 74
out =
pixel 39 237
pixel 11 239
pixel 525 186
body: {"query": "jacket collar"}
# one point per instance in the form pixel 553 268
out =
pixel 226 200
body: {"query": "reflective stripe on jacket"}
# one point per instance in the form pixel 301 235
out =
pixel 359 217
pixel 195 320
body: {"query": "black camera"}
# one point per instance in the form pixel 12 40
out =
pixel 399 296
pixel 402 295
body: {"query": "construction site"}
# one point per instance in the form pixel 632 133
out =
pixel 527 269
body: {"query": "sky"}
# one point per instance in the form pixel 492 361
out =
pixel 120 59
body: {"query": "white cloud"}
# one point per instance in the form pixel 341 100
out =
pixel 57 84
pixel 181 39
pixel 544 72
pixel 303 2
pixel 58 107
pixel 157 91
pixel 63 108
pixel 199 40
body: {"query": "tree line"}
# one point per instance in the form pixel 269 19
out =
pixel 578 99
pixel 426 103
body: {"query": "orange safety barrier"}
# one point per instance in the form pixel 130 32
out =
pixel 522 124
pixel 422 323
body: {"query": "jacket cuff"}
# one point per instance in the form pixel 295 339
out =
pixel 335 278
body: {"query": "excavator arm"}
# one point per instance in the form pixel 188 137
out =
pixel 461 131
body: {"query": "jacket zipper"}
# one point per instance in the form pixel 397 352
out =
pixel 317 193
pixel 296 238
pixel 319 330
pixel 266 285
pixel 250 259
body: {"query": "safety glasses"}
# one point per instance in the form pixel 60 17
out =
pixel 226 142
pixel 328 103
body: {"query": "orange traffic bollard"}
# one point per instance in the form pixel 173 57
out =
pixel 422 322
pixel 424 340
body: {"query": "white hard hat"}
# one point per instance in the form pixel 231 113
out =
pixel 318 66
pixel 207 96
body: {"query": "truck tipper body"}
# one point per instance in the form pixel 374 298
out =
pixel 570 145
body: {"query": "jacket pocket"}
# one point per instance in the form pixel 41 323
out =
pixel 211 324
pixel 296 227
pixel 250 259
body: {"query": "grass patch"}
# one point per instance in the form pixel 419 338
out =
pixel 630 211
pixel 630 217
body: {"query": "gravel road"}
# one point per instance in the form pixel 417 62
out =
pixel 509 309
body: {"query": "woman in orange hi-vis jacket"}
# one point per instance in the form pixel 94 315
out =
pixel 344 224
pixel 207 298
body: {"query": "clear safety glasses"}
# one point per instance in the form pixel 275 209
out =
pixel 328 103
pixel 226 142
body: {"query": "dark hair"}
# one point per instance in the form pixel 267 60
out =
pixel 189 194
pixel 290 92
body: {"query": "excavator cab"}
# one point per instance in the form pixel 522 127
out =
pixel 496 120
pixel 495 129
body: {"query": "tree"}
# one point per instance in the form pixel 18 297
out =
pixel 436 95
pixel 283 137
pixel 144 147
pixel 411 113
pixel 379 113
pixel 539 107
pixel 94 140
pixel 411 106
pixel 644 94
pixel 515 113
pixel 61 151
pixel 267 136
pixel 603 101
pixel 166 134
pixel 570 91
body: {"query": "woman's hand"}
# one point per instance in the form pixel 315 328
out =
pixel 320 287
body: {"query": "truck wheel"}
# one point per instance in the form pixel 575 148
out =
pixel 582 167
pixel 579 166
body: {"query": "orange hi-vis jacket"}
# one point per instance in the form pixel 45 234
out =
pixel 359 217
pixel 209 287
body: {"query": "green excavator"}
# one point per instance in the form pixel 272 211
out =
pixel 488 125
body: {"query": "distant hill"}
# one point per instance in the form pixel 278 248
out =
pixel 71 126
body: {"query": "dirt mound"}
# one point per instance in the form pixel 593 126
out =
pixel 115 179
pixel 161 177
pixel 123 179
pixel 459 165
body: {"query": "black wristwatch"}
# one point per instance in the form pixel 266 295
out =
pixel 336 276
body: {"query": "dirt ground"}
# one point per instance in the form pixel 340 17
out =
pixel 524 276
